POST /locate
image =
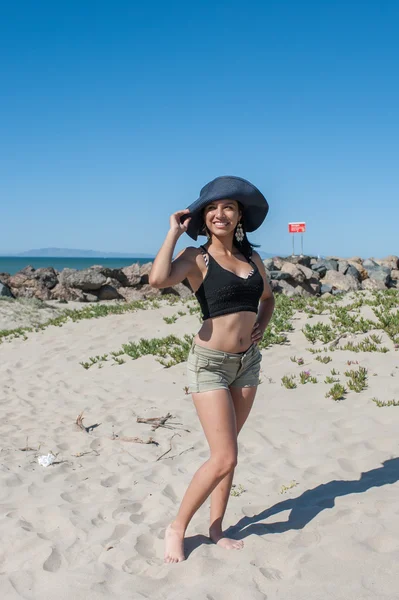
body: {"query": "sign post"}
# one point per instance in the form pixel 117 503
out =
pixel 297 227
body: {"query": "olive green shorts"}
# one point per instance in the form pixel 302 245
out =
pixel 209 369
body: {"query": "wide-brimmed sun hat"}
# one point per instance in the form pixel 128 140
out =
pixel 254 205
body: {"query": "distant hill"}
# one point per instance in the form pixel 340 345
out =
pixel 73 253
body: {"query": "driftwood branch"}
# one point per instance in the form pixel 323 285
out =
pixel 79 423
pixel 170 446
pixel 28 448
pixel 136 440
pixel 160 422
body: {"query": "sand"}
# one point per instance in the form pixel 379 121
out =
pixel 316 483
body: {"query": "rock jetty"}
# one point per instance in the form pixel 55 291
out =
pixel 292 275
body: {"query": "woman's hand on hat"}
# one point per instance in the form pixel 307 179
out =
pixel 176 224
pixel 256 334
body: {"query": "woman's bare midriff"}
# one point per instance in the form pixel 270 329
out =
pixel 228 333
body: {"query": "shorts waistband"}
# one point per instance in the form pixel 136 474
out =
pixel 220 354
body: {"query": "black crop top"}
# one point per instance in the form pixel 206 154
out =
pixel 222 292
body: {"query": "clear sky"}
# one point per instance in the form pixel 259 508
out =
pixel 114 114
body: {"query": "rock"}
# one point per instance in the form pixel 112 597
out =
pixel 145 271
pixel 278 262
pixel 320 268
pixel 292 288
pixel 392 262
pixel 298 260
pixel 65 294
pixel 379 273
pixel 293 272
pixel 179 289
pixel 395 277
pixel 114 282
pixel 32 283
pixel 85 280
pixel 343 266
pixel 108 292
pixel 323 265
pixel 130 276
pixel 369 263
pixel 359 268
pixel 373 284
pixel 341 282
pixel 352 270
pixel 130 294
pixel 269 264
pixel 326 289
pixel 4 278
pixel 355 259
pixel 279 275
pixel 5 291
pixel 90 297
pixel 308 273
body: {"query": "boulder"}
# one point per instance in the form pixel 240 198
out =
pixel 108 292
pixel 5 291
pixel 359 268
pixel 373 284
pixel 323 265
pixel 278 262
pixel 308 273
pixel 392 262
pixel 343 266
pixel 293 272
pixel 114 282
pixel 352 270
pixel 378 272
pixel 179 289
pixel 130 276
pixel 4 278
pixel 145 271
pixel 85 280
pixel 298 260
pixel 292 288
pixel 90 297
pixel 342 282
pixel 326 289
pixel 269 264
pixel 279 275
pixel 66 294
pixel 32 283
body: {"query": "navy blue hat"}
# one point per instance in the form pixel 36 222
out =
pixel 254 204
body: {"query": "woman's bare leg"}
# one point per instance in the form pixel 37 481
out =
pixel 218 419
pixel 243 399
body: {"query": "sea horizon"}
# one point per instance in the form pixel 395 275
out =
pixel 13 264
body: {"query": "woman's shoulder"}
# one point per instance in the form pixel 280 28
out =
pixel 190 253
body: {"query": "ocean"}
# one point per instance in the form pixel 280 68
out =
pixel 13 264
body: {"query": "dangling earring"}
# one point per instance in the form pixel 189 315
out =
pixel 239 233
pixel 208 235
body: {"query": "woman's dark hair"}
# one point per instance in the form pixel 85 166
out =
pixel 245 246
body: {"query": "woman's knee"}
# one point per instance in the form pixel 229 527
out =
pixel 224 463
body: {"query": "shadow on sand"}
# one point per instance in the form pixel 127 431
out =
pixel 306 507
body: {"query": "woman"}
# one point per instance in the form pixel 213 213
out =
pixel 237 303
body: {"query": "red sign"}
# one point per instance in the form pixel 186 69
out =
pixel 296 227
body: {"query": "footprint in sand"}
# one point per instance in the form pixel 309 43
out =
pixel 53 562
pixel 145 545
pixel 110 481
pixel 270 573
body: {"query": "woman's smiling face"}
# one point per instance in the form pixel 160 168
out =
pixel 221 216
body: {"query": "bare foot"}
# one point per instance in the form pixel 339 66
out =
pixel 225 542
pixel 174 545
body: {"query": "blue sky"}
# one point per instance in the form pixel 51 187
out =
pixel 114 114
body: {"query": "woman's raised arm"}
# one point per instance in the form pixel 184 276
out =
pixel 164 272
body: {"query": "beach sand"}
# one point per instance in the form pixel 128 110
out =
pixel 316 484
